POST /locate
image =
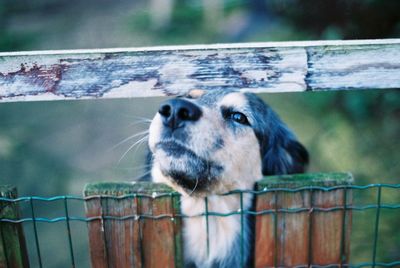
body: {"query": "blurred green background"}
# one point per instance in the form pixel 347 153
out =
pixel 55 148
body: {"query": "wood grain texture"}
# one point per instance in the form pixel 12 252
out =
pixel 160 71
pixel 307 237
pixel 13 252
pixel 322 252
pixel 138 241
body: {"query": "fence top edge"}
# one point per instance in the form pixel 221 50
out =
pixel 124 188
pixel 306 180
pixel 8 191
pixel 286 44
pixel 172 194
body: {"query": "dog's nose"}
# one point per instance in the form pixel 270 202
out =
pixel 176 112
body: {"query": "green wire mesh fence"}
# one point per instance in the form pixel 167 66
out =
pixel 370 211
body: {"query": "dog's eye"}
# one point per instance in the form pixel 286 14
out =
pixel 240 118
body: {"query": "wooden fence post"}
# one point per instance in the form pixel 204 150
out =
pixel 303 227
pixel 125 232
pixel 13 251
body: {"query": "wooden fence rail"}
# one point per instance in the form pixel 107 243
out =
pixel 159 71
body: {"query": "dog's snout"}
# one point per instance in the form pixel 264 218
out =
pixel 176 112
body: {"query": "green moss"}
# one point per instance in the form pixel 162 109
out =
pixel 15 253
pixel 123 188
pixel 307 179
pixel 8 191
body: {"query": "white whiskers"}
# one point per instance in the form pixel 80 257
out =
pixel 137 144
pixel 195 186
pixel 141 120
pixel 141 175
pixel 145 133
pixel 136 168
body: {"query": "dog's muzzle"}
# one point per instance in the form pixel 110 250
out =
pixel 174 156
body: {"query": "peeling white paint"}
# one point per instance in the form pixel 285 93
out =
pixel 378 67
pixel 48 96
pixel 12 63
pixel 130 90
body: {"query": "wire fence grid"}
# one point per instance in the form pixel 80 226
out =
pixel 43 242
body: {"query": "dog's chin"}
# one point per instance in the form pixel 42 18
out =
pixel 185 169
pixel 188 184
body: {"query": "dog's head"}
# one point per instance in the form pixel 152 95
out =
pixel 217 141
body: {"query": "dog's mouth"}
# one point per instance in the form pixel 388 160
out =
pixel 173 148
pixel 187 169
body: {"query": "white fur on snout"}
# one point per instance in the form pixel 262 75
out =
pixel 155 131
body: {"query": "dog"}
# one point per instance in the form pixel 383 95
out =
pixel 208 143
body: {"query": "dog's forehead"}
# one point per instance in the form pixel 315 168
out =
pixel 221 97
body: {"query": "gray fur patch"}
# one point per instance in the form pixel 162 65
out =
pixel 197 173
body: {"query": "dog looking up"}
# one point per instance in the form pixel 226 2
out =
pixel 209 143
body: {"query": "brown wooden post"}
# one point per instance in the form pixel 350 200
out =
pixel 148 236
pixel 306 227
pixel 13 251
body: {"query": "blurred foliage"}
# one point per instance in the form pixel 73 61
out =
pixel 274 20
pixel 343 19
pixel 52 148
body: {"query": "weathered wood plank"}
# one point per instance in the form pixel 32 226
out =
pixel 286 237
pixel 293 229
pixel 159 71
pixel 97 242
pixel 13 252
pixel 137 241
pixel 330 220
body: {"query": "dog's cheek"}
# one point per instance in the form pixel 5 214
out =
pixel 242 161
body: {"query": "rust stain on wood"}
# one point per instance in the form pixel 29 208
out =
pixel 44 77
pixel 265 240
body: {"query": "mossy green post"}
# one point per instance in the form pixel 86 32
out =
pixel 137 241
pixel 13 251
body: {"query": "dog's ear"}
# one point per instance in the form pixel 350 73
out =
pixel 284 155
